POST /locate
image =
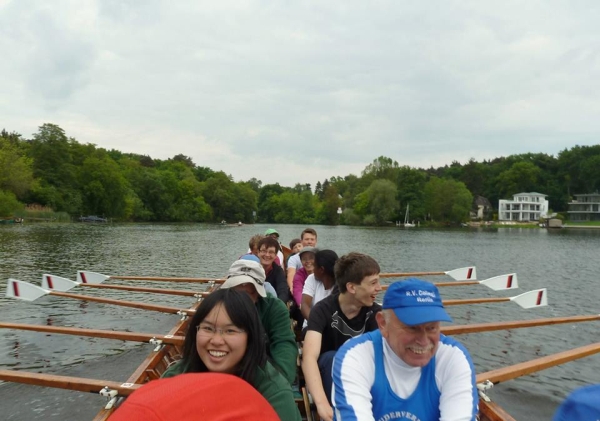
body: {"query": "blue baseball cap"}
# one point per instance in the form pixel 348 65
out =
pixel 415 302
pixel 582 405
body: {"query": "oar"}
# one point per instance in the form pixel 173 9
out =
pixel 461 274
pixel 528 367
pixel 531 299
pixel 57 283
pixel 535 298
pixel 87 277
pixel 98 333
pixel 178 340
pixel 67 382
pixel 28 292
pixel 84 276
pixel 497 283
pixel 489 327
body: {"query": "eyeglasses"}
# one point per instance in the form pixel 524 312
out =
pixel 207 330
pixel 268 252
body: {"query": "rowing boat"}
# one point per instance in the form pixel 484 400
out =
pixel 167 349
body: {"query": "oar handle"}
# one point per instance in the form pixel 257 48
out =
pixel 528 367
pixel 489 327
pixel 183 292
pixel 168 279
pixel 67 382
pixel 475 301
pixel 443 284
pixel 405 274
pixel 134 304
pixel 96 333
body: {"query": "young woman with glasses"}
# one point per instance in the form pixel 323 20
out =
pixel 225 336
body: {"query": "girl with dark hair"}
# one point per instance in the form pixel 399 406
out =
pixel 226 336
pixel 321 283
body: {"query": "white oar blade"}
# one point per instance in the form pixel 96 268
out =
pixel 86 277
pixel 463 274
pixel 498 283
pixel 531 299
pixel 24 290
pixel 57 283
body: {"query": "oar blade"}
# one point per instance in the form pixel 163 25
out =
pixel 501 282
pixel 532 299
pixel 57 283
pixel 87 277
pixel 24 290
pixel 463 274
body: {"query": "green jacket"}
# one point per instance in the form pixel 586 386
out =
pixel 270 383
pixel 281 345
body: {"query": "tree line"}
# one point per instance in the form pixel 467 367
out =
pixel 58 172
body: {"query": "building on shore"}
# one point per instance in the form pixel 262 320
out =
pixel 585 207
pixel 523 207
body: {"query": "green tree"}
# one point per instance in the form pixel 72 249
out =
pixel 9 203
pixel 104 187
pixel 521 177
pixel 447 201
pixel 382 204
pixel 16 174
pixel 327 213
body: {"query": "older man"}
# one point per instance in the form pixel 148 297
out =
pixel 407 369
pixel 249 276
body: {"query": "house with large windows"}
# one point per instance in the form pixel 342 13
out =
pixel 523 207
pixel 585 207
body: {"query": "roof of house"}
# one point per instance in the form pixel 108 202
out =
pixel 482 201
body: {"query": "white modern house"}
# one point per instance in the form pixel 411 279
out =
pixel 585 207
pixel 523 207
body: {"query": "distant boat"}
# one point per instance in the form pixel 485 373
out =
pixel 92 218
pixel 406 223
pixel 11 221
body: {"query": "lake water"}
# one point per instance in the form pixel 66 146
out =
pixel 564 261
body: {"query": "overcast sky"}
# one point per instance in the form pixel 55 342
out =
pixel 299 91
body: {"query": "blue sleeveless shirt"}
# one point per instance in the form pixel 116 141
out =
pixel 422 405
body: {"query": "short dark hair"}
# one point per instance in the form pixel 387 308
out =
pixel 354 267
pixel 294 242
pixel 242 312
pixel 326 259
pixel 269 242
pixel 308 231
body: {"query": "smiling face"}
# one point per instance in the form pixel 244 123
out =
pixel 221 351
pixel 309 240
pixel 308 261
pixel 267 255
pixel 415 345
pixel 365 292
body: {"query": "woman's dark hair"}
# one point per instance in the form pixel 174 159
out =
pixel 269 242
pixel 326 259
pixel 243 314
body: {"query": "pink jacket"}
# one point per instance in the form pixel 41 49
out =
pixel 298 285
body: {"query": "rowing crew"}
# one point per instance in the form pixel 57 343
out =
pixel 403 366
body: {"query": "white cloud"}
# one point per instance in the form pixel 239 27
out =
pixel 299 92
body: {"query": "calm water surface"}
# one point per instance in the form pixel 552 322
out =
pixel 566 262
